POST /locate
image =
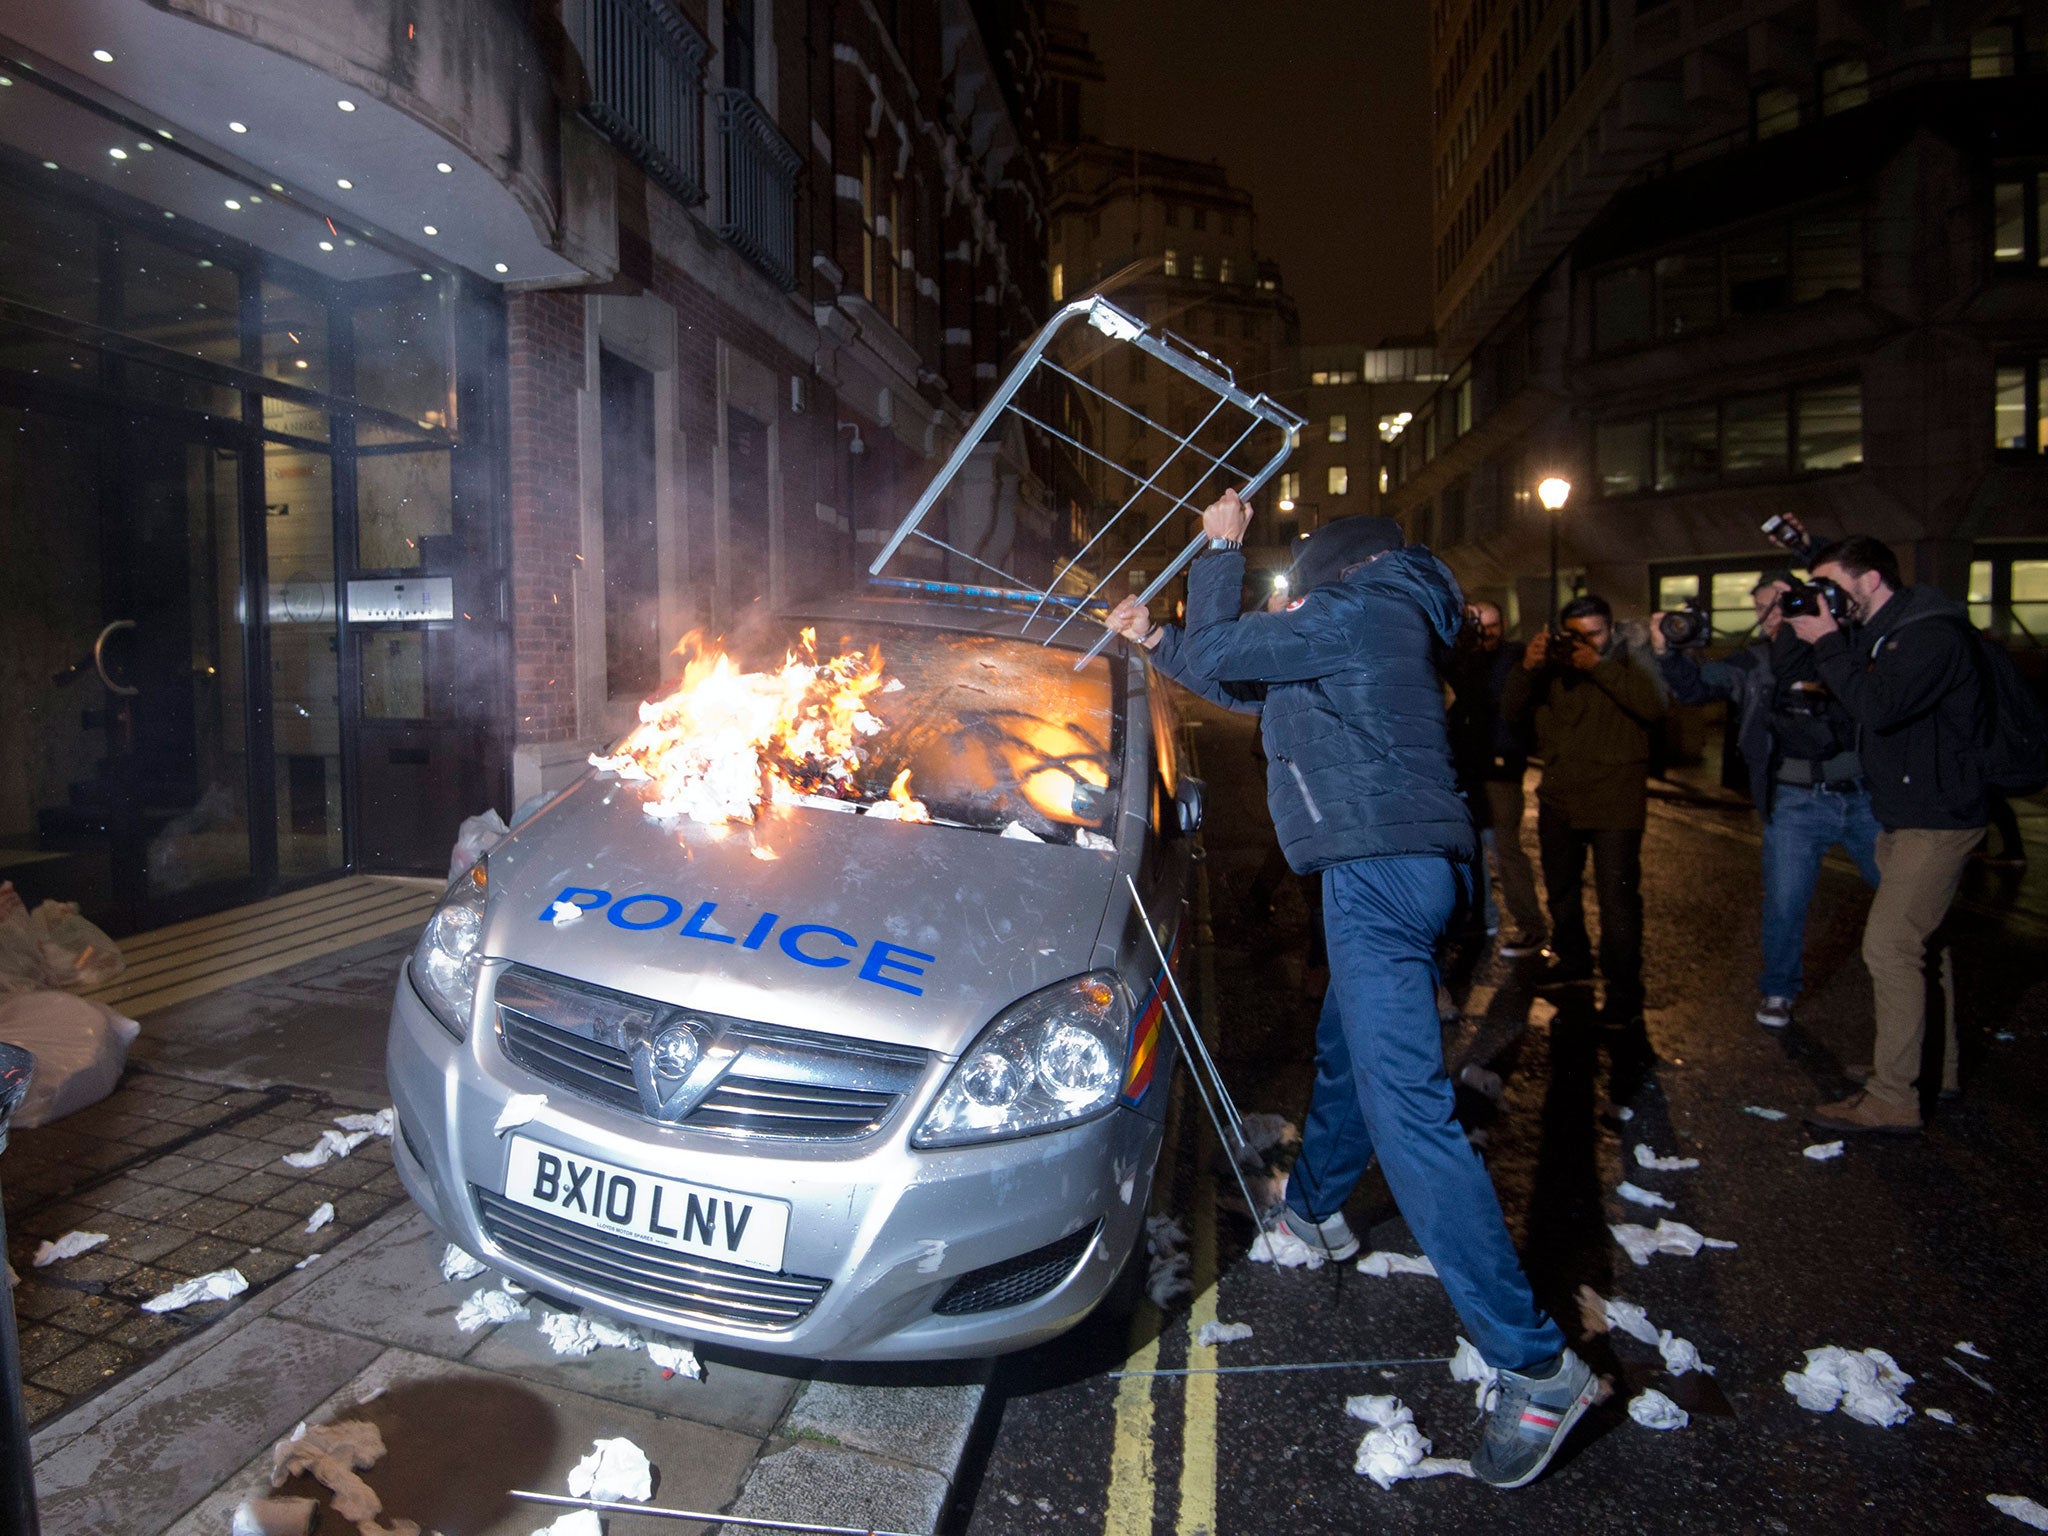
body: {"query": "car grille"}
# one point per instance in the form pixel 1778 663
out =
pixel 785 1083
pixel 1016 1281
pixel 689 1288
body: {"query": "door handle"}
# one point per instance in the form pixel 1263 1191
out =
pixel 99 664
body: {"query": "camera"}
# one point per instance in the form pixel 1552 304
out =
pixel 1811 598
pixel 1782 531
pixel 1558 648
pixel 1686 627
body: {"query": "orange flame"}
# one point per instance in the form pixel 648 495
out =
pixel 907 809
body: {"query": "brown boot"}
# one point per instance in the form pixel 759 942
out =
pixel 1861 1074
pixel 1864 1113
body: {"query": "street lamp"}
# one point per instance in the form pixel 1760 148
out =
pixel 1553 492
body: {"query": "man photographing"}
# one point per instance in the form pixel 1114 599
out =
pixel 1805 780
pixel 1491 759
pixel 1360 785
pixel 1908 676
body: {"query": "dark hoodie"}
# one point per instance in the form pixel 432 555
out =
pixel 1345 684
pixel 1909 679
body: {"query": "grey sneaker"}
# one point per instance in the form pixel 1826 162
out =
pixel 1331 1235
pixel 1528 1418
pixel 1519 945
pixel 1774 1012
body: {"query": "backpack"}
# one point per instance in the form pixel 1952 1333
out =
pixel 2014 757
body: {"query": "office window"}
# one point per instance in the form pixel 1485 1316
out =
pixel 1676 592
pixel 1223 271
pixel 1198 267
pixel 868 238
pixel 2009 221
pixel 1827 256
pixel 1621 309
pixel 1340 480
pixel 1992 51
pixel 1461 406
pixel 1621 457
pixel 1340 430
pixel 2029 605
pixel 1844 84
pixel 1172 262
pixel 2009 408
pixel 1777 111
pixel 1688 448
pixel 1979 596
pixel 1758 270
pixel 1728 602
pixel 1383 480
pixel 1059 282
pixel 1754 437
pixel 1688 293
pixel 1290 488
pixel 1828 426
pixel 2040 218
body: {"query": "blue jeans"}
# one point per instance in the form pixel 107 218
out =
pixel 1804 824
pixel 1381 1088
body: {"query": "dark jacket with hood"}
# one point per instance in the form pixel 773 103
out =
pixel 1345 684
pixel 1909 678
pixel 1752 679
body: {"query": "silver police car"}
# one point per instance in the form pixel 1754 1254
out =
pixel 834 1085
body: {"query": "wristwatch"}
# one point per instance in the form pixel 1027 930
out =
pixel 1220 544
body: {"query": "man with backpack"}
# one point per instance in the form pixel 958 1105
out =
pixel 1913 678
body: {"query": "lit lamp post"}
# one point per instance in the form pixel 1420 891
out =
pixel 1553 493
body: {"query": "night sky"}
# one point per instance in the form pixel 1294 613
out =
pixel 1319 108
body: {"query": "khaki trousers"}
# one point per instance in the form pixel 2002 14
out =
pixel 1919 869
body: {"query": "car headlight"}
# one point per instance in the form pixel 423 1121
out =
pixel 450 952
pixel 1055 1058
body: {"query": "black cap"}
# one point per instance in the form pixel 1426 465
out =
pixel 1337 546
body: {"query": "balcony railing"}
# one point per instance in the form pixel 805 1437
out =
pixel 757 212
pixel 646 67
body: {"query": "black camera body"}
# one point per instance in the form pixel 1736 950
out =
pixel 1812 598
pixel 1686 627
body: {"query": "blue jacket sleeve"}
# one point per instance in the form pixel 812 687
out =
pixel 1696 682
pixel 1227 647
pixel 1170 657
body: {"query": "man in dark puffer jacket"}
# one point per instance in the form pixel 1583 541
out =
pixel 1361 787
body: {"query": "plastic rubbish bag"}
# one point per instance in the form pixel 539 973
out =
pixel 80 1049
pixel 21 958
pixel 477 836
pixel 52 947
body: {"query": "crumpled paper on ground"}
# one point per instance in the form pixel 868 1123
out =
pixel 323 1213
pixel 1680 1356
pixel 1166 1281
pixel 1941 1415
pixel 574 1334
pixel 1394 1449
pixel 1668 1236
pixel 1821 1151
pixel 1865 1384
pixel 1762 1113
pixel 383 1123
pixel 332 1455
pixel 1222 1333
pixel 1653 1410
pixel 614 1470
pixel 1469 1365
pixel 1965 1347
pixel 218 1286
pixel 332 1144
pixel 457 1266
pixel 1382 1265
pixel 1647 1159
pixel 676 1359
pixel 488 1306
pixel 519 1109
pixel 1278 1245
pixel 2021 1508
pixel 1016 831
pixel 578 1522
pixel 274 1517
pixel 70 1246
pixel 1601 1313
pixel 1635 1194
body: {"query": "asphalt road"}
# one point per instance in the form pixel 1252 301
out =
pixel 1908 1246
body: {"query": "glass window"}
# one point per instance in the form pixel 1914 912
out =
pixel 1676 591
pixel 1980 594
pixel 294 337
pixel 1758 271
pixel 1621 308
pixel 50 257
pixel 2041 404
pixel 1830 426
pixel 1844 84
pixel 1827 256
pixel 1621 456
pixel 1223 271
pixel 1059 282
pixel 1198 267
pixel 1290 485
pixel 2009 221
pixel 1339 430
pixel 187 303
pixel 2009 409
pixel 1777 111
pixel 2029 606
pixel 403 354
pixel 1688 448
pixel 1461 406
pixel 403 500
pixel 1172 262
pixel 1991 52
pixel 1728 599
pixel 1340 480
pixel 1754 435
pixel 868 236
pixel 1688 293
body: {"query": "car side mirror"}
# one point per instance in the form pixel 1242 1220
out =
pixel 1190 800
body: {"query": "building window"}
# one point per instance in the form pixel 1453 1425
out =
pixel 1777 111
pixel 1688 448
pixel 632 639
pixel 739 46
pixel 1201 218
pixel 1461 406
pixel 1754 436
pixel 1828 426
pixel 1198 267
pixel 1223 271
pixel 1993 50
pixel 1757 266
pixel 1340 480
pixel 1812 430
pixel 1173 215
pixel 1171 262
pixel 1844 84
pixel 1688 293
pixel 2019 408
pixel 872 254
pixel 1339 430
pixel 2009 594
pixel 1290 489
pixel 1676 591
pixel 1827 257
pixel 1383 480
pixel 1059 282
pixel 2019 213
pixel 1621 309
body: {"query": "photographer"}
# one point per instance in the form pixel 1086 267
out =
pixel 1804 777
pixel 1594 706
pixel 1492 759
pixel 1908 675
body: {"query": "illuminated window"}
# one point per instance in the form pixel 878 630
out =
pixel 1173 215
pixel 1828 426
pixel 1777 111
pixel 1059 282
pixel 1844 84
pixel 1320 376
pixel 1339 432
pixel 1290 485
pixel 1676 591
pixel 2009 221
pixel 1199 267
pixel 1728 599
pixel 1383 480
pixel 1991 52
pixel 1223 272
pixel 1172 262
pixel 867 223
pixel 1340 480
pixel 1980 594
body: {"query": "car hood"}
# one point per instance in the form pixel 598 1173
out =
pixel 857 927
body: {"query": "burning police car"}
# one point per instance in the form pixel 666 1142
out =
pixel 850 1032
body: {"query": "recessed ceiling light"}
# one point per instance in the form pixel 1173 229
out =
pixel 255 197
pixel 118 154
pixel 344 183
pixel 277 186
pixel 426 277
pixel 6 80
pixel 145 145
pixel 300 363
pixel 326 245
pixel 430 229
pixel 49 165
pixel 503 268
pixel 443 167
pixel 205 261
pixel 163 133
pixel 103 56
pixel 346 105
pixel 238 127
pixel 345 240
pixel 234 206
pixel 168 214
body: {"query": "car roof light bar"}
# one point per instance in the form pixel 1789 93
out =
pixel 1139 472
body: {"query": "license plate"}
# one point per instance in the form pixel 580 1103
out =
pixel 669 1213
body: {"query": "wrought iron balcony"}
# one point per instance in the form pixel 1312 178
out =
pixel 757 205
pixel 646 65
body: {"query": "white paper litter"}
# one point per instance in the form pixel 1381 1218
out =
pixel 574 1334
pixel 457 1266
pixel 274 1517
pixel 1673 1237
pixel 72 1244
pixel 1624 1114
pixel 1963 1346
pixel 2021 1508
pixel 1632 1320
pixel 1016 831
pixel 1278 1245
pixel 1222 1333
pixel 578 1522
pixel 1680 1356
pixel 218 1286
pixel 332 1144
pixel 1394 1449
pixel 1647 1159
pixel 1821 1151
pixel 1941 1415
pixel 1093 841
pixel 1635 1194
pixel 309 1258
pixel 1381 1264
pixel 614 1470
pixel 677 1359
pixel 382 1123
pixel 1469 1365
pixel 519 1109
pixel 563 913
pixel 489 1306
pixel 332 1454
pixel 1762 1113
pixel 1167 1279
pixel 322 1215
pixel 1865 1384
pixel 1653 1410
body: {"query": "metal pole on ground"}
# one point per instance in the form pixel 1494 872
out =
pixel 17 1472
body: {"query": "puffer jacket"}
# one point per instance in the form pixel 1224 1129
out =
pixel 1351 709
